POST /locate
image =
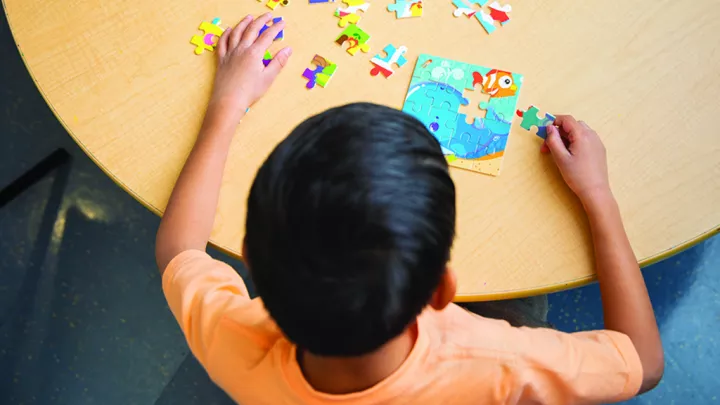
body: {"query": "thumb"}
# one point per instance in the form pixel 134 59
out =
pixel 279 61
pixel 555 143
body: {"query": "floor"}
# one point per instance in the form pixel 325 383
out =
pixel 82 314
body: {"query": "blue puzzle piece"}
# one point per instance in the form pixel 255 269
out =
pixel 447 97
pixel 280 34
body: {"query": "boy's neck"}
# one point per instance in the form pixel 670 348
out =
pixel 345 375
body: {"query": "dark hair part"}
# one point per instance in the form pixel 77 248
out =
pixel 350 222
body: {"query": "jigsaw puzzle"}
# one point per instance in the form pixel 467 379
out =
pixel 530 118
pixel 324 69
pixel 407 8
pixel 384 64
pixel 272 4
pixel 355 37
pixel 487 17
pixel 437 91
pixel 267 58
pixel 208 40
pixel 350 14
pixel 280 35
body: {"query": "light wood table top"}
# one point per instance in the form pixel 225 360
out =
pixel 124 81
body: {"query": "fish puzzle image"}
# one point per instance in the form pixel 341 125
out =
pixel 437 90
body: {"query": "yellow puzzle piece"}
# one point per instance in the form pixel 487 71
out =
pixel 208 40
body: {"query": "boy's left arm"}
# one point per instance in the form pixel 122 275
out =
pixel 241 79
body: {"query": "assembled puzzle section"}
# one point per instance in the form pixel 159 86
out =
pixel 321 74
pixel 384 64
pixel 355 37
pixel 407 8
pixel 437 91
pixel 208 40
pixel 351 13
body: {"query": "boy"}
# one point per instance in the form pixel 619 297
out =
pixel 350 222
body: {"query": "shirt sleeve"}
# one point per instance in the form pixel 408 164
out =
pixel 199 291
pixel 584 367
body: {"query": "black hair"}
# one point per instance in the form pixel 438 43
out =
pixel 350 222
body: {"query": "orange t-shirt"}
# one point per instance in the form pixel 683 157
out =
pixel 458 357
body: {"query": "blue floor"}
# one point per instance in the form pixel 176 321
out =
pixel 83 320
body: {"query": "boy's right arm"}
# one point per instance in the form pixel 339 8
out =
pixel 580 156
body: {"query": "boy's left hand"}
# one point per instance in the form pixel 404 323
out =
pixel 241 77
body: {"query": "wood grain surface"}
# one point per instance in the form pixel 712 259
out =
pixel 123 79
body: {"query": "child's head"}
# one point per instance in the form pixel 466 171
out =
pixel 350 221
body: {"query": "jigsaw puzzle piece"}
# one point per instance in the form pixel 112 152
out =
pixel 531 119
pixel 441 123
pixel 267 58
pixel 324 69
pixel 495 13
pixel 280 34
pixel 272 4
pixel 355 37
pixel 467 8
pixel 441 70
pixel 447 97
pixel 384 64
pixel 350 14
pixel 406 8
pixel 208 40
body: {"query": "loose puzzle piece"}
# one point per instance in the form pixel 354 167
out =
pixel 350 14
pixel 280 35
pixel 407 8
pixel 208 40
pixel 495 13
pixel 355 37
pixel 272 4
pixel 383 64
pixel 324 69
pixel 466 7
pixel 530 118
pixel 267 58
pixel 435 95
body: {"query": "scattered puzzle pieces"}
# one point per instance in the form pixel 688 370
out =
pixel 272 4
pixel 324 69
pixel 383 64
pixel 350 14
pixel 208 40
pixel 407 8
pixel 280 35
pixel 530 118
pixel 355 37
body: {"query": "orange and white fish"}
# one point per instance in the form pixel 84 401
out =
pixel 496 83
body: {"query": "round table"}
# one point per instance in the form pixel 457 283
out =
pixel 123 79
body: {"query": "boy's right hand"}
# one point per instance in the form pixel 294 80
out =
pixel 241 78
pixel 580 155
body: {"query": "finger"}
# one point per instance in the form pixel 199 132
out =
pixel 251 33
pixel 269 35
pixel 544 149
pixel 586 126
pixel 555 143
pixel 222 45
pixel 567 122
pixel 278 62
pixel 239 30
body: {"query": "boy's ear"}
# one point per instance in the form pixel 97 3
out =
pixel 445 291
